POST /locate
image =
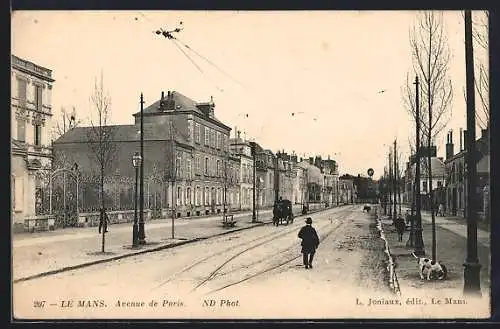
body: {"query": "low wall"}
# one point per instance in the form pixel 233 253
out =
pixel 91 219
pixel 37 224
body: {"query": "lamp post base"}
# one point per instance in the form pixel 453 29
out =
pixel 142 235
pixel 419 243
pixel 472 282
pixel 135 235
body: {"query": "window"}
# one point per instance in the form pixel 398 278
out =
pixel 178 167
pixel 197 165
pixel 188 169
pixel 38 134
pixel 197 133
pixel 218 168
pixel 190 130
pixel 218 141
pixel 179 195
pixel 38 97
pixel 440 184
pixel 188 196
pixel 21 130
pixel 21 92
pixel 424 186
pixel 207 136
pixel 207 191
pixel 213 137
pixel 206 166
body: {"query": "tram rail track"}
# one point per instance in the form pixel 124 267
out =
pixel 276 266
pixel 268 238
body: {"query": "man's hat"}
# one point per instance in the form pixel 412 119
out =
pixel 309 220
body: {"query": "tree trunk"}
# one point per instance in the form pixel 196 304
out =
pixel 104 223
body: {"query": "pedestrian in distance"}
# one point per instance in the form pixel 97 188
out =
pixel 310 242
pixel 441 210
pixel 400 226
pixel 103 221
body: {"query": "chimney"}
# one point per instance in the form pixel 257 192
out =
pixel 465 139
pixel 161 99
pixel 449 145
pixel 461 140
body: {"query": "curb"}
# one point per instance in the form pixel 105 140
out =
pixel 162 247
pixel 393 278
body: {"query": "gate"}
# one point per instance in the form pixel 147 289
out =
pixel 63 197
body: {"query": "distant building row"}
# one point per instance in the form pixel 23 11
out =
pixel 449 177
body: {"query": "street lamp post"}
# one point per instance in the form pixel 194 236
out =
pixel 142 234
pixel 136 161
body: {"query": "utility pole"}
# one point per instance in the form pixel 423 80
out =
pixel 142 234
pixel 173 174
pixel 419 241
pixel 472 268
pixel 398 184
pixel 276 179
pixel 395 182
pixel 253 148
pixel 391 184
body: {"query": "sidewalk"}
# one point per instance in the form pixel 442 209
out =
pixel 451 249
pixel 54 251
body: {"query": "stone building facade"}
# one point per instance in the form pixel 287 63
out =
pixel 31 124
pixel 185 146
pixel 455 194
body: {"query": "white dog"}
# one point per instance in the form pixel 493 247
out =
pixel 430 269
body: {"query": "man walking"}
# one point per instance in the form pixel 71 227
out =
pixel 310 242
pixel 103 221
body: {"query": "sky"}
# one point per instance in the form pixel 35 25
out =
pixel 326 67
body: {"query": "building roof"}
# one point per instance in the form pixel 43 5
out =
pixel 31 68
pixel 437 167
pixel 182 104
pixel 483 166
pixel 122 133
pixel 313 172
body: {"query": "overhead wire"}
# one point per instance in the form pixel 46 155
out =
pixel 196 65
pixel 209 61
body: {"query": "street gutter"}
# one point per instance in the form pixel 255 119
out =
pixel 391 272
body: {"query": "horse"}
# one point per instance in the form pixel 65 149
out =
pixel 276 213
pixel 282 211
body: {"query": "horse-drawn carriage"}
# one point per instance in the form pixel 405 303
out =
pixel 282 211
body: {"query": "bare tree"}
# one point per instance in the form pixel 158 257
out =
pixel 101 138
pixel 480 35
pixel 430 56
pixel 67 122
